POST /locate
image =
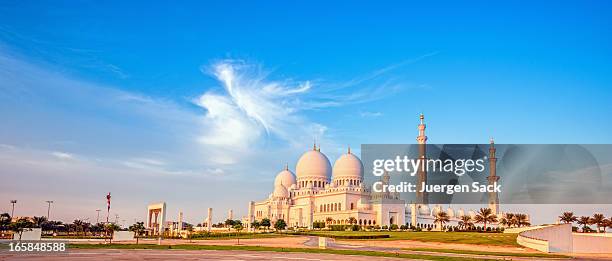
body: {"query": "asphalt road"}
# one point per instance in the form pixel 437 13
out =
pixel 236 255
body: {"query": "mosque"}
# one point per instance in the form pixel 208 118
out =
pixel 337 195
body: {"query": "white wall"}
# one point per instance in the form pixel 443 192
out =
pixel 592 243
pixel 559 238
pixel 33 234
pixel 123 235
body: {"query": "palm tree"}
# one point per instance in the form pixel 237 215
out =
pixel 506 220
pixel 522 220
pixel 441 218
pixel 78 225
pixel 39 221
pixel 329 220
pixel 465 222
pixel 598 220
pixel 352 220
pixel 568 217
pixel 606 224
pixel 485 215
pixel 584 221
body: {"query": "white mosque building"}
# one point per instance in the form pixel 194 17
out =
pixel 335 195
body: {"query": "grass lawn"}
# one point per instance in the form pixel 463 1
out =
pixel 474 252
pixel 272 249
pixel 497 239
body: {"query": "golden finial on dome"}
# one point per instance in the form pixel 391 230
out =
pixel 286 166
pixel 422 117
pixel 349 149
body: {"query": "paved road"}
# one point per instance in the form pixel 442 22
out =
pixel 124 254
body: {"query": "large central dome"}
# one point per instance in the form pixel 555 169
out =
pixel 313 164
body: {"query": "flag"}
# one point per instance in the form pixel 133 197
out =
pixel 108 198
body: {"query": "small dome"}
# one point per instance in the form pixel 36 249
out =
pixel 436 210
pixel 285 178
pixel 450 212
pixel 348 166
pixel 313 164
pixel 424 210
pixel 472 214
pixel 460 213
pixel 280 192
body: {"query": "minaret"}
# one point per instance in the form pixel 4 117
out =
pixel 180 222
pixel 209 220
pixel 422 197
pixel 493 178
pixel 251 214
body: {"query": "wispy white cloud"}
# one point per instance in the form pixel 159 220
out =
pixel 252 107
pixel 62 155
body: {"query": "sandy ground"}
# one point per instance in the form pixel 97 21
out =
pixel 293 241
pixel 373 245
pixel 125 254
pixel 437 245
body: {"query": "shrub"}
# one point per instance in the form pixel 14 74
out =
pixel 393 227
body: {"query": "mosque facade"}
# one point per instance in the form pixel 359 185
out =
pixel 337 195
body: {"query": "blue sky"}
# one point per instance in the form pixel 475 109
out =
pixel 200 95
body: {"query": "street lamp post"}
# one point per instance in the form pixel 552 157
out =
pixel 13 209
pixel 98 218
pixel 49 209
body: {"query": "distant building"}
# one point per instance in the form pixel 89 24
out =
pixel 320 193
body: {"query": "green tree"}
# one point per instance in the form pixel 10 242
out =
pixel 229 223
pixel 598 220
pixel 21 225
pixel 485 215
pixel 138 228
pixel 266 223
pixel 189 228
pixel 255 225
pixel 238 227
pixel 110 229
pixel 568 217
pixel 280 224
pixel 441 218
pixel 5 221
